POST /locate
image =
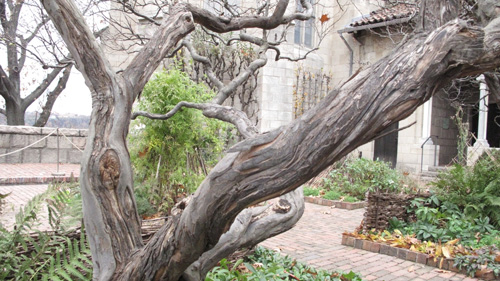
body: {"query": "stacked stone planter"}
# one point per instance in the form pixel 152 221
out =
pixel 384 206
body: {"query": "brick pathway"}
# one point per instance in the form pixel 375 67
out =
pixel 35 173
pixel 19 196
pixel 316 240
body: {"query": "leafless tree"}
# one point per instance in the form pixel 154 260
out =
pixel 217 219
pixel 23 23
pixel 37 65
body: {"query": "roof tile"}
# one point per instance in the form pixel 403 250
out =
pixel 401 10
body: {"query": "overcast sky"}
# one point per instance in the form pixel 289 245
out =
pixel 75 99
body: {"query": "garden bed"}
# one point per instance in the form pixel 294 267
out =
pixel 335 203
pixel 406 254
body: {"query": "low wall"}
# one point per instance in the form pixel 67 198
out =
pixel 14 138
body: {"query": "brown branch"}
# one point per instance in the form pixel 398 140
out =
pixel 392 131
pixel 81 43
pixel 222 25
pixel 41 88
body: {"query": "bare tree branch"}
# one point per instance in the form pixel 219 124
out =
pixel 27 101
pixel 222 24
pixel 205 61
pixel 149 58
pixel 256 64
pixel 52 97
pixel 224 113
pixel 5 85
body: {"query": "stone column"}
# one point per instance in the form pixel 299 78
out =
pixel 483 114
pixel 427 122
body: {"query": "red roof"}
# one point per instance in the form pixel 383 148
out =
pixel 397 11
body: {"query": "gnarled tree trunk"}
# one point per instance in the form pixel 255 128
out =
pixel 256 169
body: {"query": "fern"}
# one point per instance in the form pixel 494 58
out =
pixel 70 262
pixel 63 254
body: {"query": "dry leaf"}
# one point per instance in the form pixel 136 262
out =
pixel 324 18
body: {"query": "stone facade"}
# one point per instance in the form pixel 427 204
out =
pixel 33 145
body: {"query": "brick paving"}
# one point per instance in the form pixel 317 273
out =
pixel 315 240
pixel 18 197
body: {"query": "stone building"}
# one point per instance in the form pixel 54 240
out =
pixel 351 35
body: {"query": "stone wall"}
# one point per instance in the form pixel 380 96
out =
pixel 13 138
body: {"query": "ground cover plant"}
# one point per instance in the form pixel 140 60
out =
pixel 350 180
pixel 268 265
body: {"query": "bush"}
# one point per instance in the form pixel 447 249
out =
pixel 309 191
pixel 358 176
pixel 443 221
pixel 172 157
pixel 475 190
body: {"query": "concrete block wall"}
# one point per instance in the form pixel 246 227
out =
pixel 14 138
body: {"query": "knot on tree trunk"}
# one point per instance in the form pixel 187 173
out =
pixel 109 169
pixel 282 207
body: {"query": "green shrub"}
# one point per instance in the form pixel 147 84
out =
pixel 443 221
pixel 360 175
pixel 332 195
pixel 474 190
pixel 172 157
pixel 309 191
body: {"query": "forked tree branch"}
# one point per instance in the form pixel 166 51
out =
pixel 251 226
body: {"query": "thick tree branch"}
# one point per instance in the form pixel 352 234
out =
pixel 222 24
pixel 6 87
pixel 224 113
pixel 164 39
pixel 81 43
pixel 52 97
pixel 251 226
pixel 493 81
pixel 2 111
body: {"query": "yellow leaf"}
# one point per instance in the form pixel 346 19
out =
pixel 446 252
pixel 439 250
pixel 453 242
